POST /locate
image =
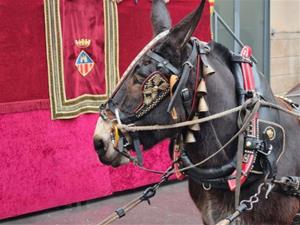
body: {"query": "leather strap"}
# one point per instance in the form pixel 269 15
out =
pixel 187 67
pixel 162 62
pixel 137 149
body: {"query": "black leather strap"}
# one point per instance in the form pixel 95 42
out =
pixel 137 149
pixel 163 62
pixel 207 173
pixel 240 59
pixel 187 67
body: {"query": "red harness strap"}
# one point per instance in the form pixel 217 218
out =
pixel 249 85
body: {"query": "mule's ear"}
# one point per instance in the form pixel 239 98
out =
pixel 181 33
pixel 160 17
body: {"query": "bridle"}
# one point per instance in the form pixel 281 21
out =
pixel 155 89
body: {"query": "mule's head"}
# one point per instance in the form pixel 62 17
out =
pixel 143 95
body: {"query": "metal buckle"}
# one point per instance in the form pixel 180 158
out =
pixel 185 94
pixel 266 153
pixel 189 64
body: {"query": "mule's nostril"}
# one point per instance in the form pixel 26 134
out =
pixel 100 149
pixel 99 146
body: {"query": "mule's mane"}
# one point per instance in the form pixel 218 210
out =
pixel 221 53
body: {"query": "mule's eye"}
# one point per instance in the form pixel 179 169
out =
pixel 137 79
pixel 146 62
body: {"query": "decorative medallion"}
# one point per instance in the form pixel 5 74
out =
pixel 270 133
pixel 152 87
pixel 155 89
pixel 84 62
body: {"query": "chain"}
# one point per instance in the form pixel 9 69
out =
pixel 255 198
pixel 147 194
pixel 248 205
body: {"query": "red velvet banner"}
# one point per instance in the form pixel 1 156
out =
pixel 25 86
pixel 46 163
pixel 81 37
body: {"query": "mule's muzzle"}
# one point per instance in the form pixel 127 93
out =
pixel 99 147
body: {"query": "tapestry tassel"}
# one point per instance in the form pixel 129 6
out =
pixel 190 138
pixel 208 70
pixel 195 127
pixel 202 107
pixel 202 90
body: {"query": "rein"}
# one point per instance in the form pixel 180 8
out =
pixel 255 102
pixel 134 128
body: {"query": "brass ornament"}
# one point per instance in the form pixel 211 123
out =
pixel 195 127
pixel 202 87
pixel 208 70
pixel 270 133
pixel 190 138
pixel 152 87
pixel 202 106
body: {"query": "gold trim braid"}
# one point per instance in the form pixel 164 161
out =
pixel 62 108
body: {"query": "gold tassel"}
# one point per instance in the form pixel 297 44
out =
pixel 195 127
pixel 190 138
pixel 202 107
pixel 202 87
pixel 174 114
pixel 173 81
pixel 208 70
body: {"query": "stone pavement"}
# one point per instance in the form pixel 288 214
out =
pixel 171 205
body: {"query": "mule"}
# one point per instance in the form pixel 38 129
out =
pixel 130 97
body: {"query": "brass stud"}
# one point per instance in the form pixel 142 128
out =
pixel 248 144
pixel 270 132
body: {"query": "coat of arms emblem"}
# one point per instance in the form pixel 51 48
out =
pixel 84 63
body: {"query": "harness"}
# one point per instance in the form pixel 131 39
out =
pixel 263 141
